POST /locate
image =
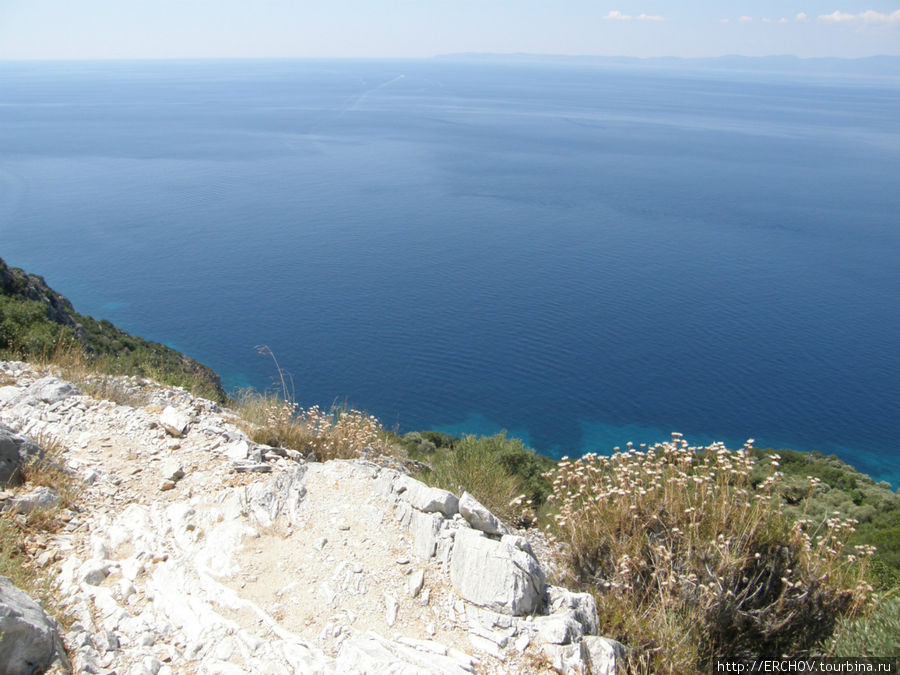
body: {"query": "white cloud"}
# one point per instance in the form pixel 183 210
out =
pixel 746 19
pixel 723 20
pixel 766 19
pixel 616 15
pixel 802 17
pixel 837 17
pixel 869 17
pixel 782 20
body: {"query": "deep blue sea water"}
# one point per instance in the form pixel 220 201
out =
pixel 581 255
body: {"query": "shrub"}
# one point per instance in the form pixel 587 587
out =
pixel 876 634
pixel 417 445
pixel 336 433
pixel 26 330
pixel 840 488
pixel 496 470
pixel 690 561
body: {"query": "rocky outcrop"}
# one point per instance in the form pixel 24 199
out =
pixel 15 452
pixel 15 283
pixel 29 639
pixel 479 517
pixel 503 576
pixel 202 551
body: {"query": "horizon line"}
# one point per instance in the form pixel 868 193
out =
pixel 449 55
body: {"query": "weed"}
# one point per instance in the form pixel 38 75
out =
pixel 479 466
pixel 18 529
pixel 336 433
pixel 690 561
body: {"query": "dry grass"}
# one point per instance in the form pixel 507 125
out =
pixel 690 561
pixel 337 433
pixel 92 376
pixel 50 471
pixel 21 534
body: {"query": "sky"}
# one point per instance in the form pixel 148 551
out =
pixel 135 29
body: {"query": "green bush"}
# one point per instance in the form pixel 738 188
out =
pixel 841 489
pixel 26 330
pixel 496 470
pixel 876 634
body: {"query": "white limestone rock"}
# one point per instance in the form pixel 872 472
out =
pixel 15 452
pixel 479 517
pixel 416 581
pixel 606 656
pixel 171 470
pixel 38 498
pixel 9 395
pixel 482 644
pixel 583 606
pixel 371 653
pixel 384 482
pixel 174 421
pixel 93 572
pixel 424 528
pixel 428 499
pixel 242 450
pixel 497 575
pixel 391 606
pixel 52 389
pixel 568 659
pixel 31 640
pixel 282 494
pixel 558 629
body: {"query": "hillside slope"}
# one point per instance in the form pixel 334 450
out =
pixel 34 319
pixel 191 549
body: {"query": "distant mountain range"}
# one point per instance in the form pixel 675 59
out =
pixel 872 65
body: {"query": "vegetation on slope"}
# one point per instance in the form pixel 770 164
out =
pixel 692 560
pixel 22 534
pixel 36 322
pixel 841 489
pixel 496 470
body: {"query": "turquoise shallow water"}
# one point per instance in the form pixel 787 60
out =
pixel 581 256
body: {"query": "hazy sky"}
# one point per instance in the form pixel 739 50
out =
pixel 63 29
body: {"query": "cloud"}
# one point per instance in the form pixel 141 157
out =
pixel 616 15
pixel 782 20
pixel 746 19
pixel 766 19
pixel 802 17
pixel 869 17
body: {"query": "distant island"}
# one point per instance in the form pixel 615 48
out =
pixel 884 65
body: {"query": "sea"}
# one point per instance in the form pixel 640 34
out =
pixel 579 254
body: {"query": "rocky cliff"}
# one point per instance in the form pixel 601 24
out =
pixel 191 549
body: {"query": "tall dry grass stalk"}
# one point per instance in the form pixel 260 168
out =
pixel 336 433
pixel 690 561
